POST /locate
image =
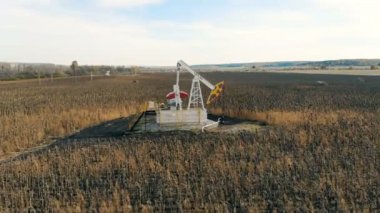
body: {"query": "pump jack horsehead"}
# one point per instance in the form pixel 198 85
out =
pixel 215 93
pixel 196 98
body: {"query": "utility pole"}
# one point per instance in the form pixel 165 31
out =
pixel 39 77
pixel 74 66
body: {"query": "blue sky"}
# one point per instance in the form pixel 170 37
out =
pixel 159 32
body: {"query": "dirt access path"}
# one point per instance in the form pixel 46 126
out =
pixel 114 128
pixel 122 127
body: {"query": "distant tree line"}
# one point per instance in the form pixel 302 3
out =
pixel 99 70
pixel 30 71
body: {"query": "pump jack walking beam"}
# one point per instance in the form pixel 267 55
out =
pixel 216 90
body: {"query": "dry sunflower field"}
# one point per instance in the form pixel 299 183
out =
pixel 319 152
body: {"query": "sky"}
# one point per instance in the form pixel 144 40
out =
pixel 160 32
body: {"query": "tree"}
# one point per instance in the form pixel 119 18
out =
pixel 74 67
pixel 373 67
pixel 135 70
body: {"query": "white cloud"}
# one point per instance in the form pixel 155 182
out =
pixel 127 3
pixel 355 11
pixel 6 3
pixel 30 36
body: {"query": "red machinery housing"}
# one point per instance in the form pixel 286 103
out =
pixel 182 94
